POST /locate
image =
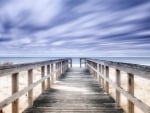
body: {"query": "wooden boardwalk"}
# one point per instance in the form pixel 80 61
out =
pixel 75 92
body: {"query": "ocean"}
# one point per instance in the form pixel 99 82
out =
pixel 20 60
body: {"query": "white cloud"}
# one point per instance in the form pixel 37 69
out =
pixel 25 40
pixel 33 26
pixel 58 43
pixel 84 40
pixel 141 33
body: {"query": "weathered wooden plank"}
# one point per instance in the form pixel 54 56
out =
pixel 6 70
pixel 131 91
pixel 30 92
pixel 42 75
pixel 48 80
pixel 98 73
pixel 118 82
pixel 61 68
pixel 71 63
pixel 107 76
pixel 100 78
pixel 52 75
pixel 15 88
pixel 80 62
pixel 103 86
pixel 76 92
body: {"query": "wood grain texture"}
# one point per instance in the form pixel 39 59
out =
pixel 15 88
pixel 144 107
pixel 136 69
pixel 75 92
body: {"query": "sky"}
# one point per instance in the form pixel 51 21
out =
pixel 75 28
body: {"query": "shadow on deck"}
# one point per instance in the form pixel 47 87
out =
pixel 76 91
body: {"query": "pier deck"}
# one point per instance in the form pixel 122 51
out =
pixel 75 92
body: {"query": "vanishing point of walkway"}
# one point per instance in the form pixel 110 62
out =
pixel 75 92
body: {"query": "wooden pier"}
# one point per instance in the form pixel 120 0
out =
pixel 75 92
pixel 72 90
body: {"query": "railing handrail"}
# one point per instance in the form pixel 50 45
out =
pixel 5 70
pixel 55 68
pixel 99 66
pixel 136 69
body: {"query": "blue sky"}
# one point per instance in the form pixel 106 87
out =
pixel 74 28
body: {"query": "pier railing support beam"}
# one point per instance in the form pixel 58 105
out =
pixel 131 91
pixel 107 76
pixel 98 72
pixel 102 68
pixel 61 67
pixel 42 75
pixel 30 92
pixel 52 73
pixel 70 63
pixel 48 79
pixel 118 82
pixel 80 62
pixel 15 88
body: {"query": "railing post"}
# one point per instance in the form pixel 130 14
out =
pixel 98 72
pixel 107 76
pixel 93 72
pixel 61 67
pixel 95 66
pixel 56 71
pixel 131 91
pixel 42 75
pixel 71 63
pixel 64 66
pixel 67 64
pixel 48 79
pixel 118 82
pixel 100 78
pixel 102 70
pixel 80 62
pixel 50 69
pixel 1 111
pixel 52 73
pixel 15 87
pixel 85 62
pixel 30 93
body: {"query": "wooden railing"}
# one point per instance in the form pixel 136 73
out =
pixel 100 70
pixel 55 68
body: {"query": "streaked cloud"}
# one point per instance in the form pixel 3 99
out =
pixel 75 28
